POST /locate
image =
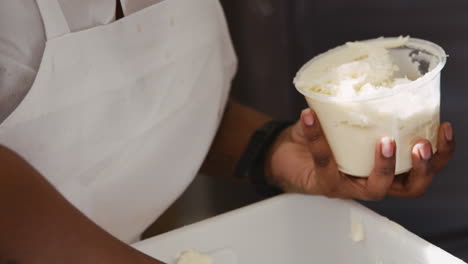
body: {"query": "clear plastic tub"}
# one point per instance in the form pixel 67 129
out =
pixel 407 113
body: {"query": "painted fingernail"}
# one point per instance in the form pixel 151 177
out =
pixel 448 132
pixel 423 150
pixel 308 117
pixel 387 147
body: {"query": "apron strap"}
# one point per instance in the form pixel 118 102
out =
pixel 55 23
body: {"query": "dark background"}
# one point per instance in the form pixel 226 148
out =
pixel 274 38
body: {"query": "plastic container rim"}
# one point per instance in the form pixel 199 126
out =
pixel 421 44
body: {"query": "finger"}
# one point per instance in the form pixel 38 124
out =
pixel 354 188
pixel 420 176
pixel 319 149
pixel 316 141
pixel 445 147
pixel 382 175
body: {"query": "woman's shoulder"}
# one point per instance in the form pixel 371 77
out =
pixel 22 41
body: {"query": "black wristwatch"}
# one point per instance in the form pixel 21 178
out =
pixel 251 164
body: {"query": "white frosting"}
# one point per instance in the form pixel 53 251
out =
pixel 360 68
pixel 357 226
pixel 191 256
pixel 363 91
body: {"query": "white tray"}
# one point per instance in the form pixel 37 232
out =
pixel 298 229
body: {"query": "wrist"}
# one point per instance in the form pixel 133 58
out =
pixel 252 164
pixel 271 173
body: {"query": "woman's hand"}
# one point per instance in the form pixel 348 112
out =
pixel 300 160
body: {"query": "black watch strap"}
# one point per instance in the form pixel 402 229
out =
pixel 251 164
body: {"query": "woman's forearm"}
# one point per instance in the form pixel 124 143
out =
pixel 37 225
pixel 238 124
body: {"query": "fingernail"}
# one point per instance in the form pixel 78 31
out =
pixel 387 147
pixel 308 117
pixel 448 132
pixel 424 151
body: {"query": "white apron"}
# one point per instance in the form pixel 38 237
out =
pixel 120 117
